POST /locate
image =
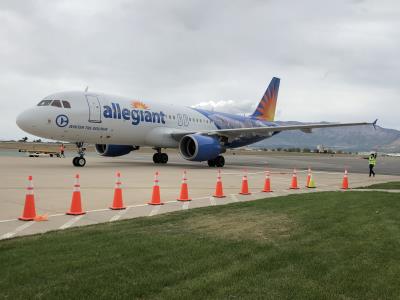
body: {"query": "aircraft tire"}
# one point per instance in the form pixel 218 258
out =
pixel 80 161
pixel 219 161
pixel 156 158
pixel 163 158
pixel 74 161
pixel 211 163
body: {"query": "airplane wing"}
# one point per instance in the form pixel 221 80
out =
pixel 267 131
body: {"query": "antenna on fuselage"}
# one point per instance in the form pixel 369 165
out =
pixel 87 88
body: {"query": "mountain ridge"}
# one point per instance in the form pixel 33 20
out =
pixel 354 138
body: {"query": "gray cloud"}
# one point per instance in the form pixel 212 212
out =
pixel 337 60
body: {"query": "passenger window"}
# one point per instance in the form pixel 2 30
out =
pixel 56 103
pixel 66 104
pixel 44 103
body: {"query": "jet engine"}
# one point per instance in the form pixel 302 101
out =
pixel 197 147
pixel 114 150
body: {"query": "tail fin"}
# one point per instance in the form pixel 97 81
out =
pixel 266 108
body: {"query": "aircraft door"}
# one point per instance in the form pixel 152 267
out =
pixel 94 109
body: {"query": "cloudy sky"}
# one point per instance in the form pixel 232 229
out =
pixel 337 60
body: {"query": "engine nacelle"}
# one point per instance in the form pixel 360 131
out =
pixel 197 147
pixel 113 150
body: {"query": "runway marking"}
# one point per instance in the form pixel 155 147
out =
pixel 9 220
pixel 212 201
pixel 71 222
pixel 234 198
pixel 155 210
pixel 200 198
pixel 119 215
pixel 96 210
pixel 138 205
pixel 56 215
pixel 18 229
pixel 185 205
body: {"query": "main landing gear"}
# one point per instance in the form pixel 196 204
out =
pixel 80 161
pixel 218 162
pixel 159 157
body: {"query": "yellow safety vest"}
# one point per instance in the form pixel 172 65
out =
pixel 372 160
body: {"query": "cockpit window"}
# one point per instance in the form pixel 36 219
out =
pixel 56 103
pixel 44 103
pixel 66 104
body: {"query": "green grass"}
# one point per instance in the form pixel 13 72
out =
pixel 394 185
pixel 332 245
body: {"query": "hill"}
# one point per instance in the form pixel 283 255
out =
pixel 358 138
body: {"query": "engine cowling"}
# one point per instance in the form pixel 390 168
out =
pixel 197 147
pixel 113 150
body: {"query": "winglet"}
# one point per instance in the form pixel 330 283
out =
pixel 374 123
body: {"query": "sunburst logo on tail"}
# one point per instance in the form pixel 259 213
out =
pixel 139 104
pixel 267 106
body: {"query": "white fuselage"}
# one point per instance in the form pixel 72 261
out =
pixel 105 119
pixel 118 125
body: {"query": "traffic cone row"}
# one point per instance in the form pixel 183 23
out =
pixel 29 211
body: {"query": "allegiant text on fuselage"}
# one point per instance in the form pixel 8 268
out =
pixel 135 115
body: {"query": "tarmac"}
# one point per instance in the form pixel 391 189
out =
pixel 54 178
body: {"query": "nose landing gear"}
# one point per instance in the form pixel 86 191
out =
pixel 79 161
pixel 159 157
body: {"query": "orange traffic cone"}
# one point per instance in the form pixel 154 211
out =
pixel 293 185
pixel 308 177
pixel 117 202
pixel 267 183
pixel 29 212
pixel 345 182
pixel 76 202
pixel 184 195
pixel 219 192
pixel 155 198
pixel 245 185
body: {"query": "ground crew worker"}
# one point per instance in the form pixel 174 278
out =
pixel 62 148
pixel 372 163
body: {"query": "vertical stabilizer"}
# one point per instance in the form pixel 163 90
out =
pixel 266 108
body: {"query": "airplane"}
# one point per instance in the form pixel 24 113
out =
pixel 118 125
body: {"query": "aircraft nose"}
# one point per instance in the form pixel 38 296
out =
pixel 24 120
